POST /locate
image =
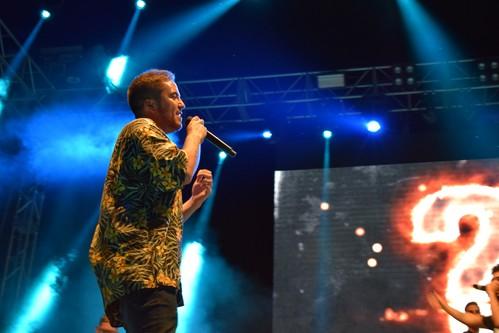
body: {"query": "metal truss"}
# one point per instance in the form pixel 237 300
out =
pixel 21 244
pixel 447 85
pixel 394 88
pixel 28 83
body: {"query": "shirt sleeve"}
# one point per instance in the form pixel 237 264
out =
pixel 487 322
pixel 154 154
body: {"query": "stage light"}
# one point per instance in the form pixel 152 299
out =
pixel 481 66
pixel 267 134
pixel 40 301
pixel 327 134
pixel 495 77
pixel 324 206
pixel 140 4
pixel 373 126
pixel 191 267
pixel 422 188
pixel 115 70
pixel 483 78
pixel 4 88
pixel 45 14
pixel 222 155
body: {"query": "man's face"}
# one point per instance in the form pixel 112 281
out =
pixel 495 277
pixel 472 308
pixel 167 112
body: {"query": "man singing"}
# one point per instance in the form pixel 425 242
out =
pixel 135 250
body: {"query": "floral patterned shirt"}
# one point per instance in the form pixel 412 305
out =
pixel 136 243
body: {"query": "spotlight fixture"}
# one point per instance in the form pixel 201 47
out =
pixel 327 134
pixel 373 126
pixel 45 14
pixel 266 134
pixel 115 71
pixel 140 4
pixel 222 155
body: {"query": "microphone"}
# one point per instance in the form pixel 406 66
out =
pixel 216 141
pixel 480 287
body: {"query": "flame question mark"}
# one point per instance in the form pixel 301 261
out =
pixel 443 217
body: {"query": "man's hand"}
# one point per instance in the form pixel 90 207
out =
pixel 202 186
pixel 435 300
pixel 492 288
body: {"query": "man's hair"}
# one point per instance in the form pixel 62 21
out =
pixel 470 303
pixel 147 85
pixel 495 269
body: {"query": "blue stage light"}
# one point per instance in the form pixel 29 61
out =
pixel 40 301
pixel 4 88
pixel 222 155
pixel 191 267
pixel 373 126
pixel 327 134
pixel 267 134
pixel 116 69
pixel 140 4
pixel 45 14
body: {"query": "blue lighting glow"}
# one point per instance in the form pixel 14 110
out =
pixel 373 126
pixel 222 155
pixel 429 41
pixel 4 88
pixel 140 4
pixel 81 149
pixel 327 134
pixel 45 14
pixel 116 69
pixel 192 263
pixel 175 32
pixel 4 91
pixel 40 301
pixel 267 134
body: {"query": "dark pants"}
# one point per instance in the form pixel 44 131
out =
pixel 150 311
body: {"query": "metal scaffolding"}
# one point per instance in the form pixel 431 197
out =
pixel 392 88
pixel 21 246
pixel 28 83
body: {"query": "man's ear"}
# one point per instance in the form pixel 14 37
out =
pixel 150 105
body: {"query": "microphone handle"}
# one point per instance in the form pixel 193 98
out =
pixel 479 287
pixel 214 140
